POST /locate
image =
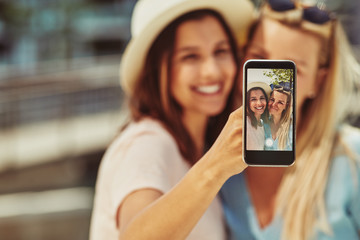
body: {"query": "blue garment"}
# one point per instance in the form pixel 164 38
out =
pixel 342 199
pixel 271 144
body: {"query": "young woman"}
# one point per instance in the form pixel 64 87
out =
pixel 318 197
pixel 278 135
pixel 257 97
pixel 179 72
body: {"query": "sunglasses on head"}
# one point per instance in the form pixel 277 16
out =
pixel 282 88
pixel 315 14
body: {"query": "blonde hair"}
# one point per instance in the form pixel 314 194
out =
pixel 300 198
pixel 285 123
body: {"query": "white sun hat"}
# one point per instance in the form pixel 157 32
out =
pixel 262 85
pixel 150 17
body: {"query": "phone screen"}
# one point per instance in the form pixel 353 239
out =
pixel 269 91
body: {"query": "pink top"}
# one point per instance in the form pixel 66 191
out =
pixel 145 155
pixel 255 137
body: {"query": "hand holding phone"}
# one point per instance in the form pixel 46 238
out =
pixel 269 89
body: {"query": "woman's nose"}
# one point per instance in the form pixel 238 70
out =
pixel 210 68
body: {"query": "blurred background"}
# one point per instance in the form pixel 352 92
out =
pixel 60 107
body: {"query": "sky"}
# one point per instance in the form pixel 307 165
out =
pixel 256 75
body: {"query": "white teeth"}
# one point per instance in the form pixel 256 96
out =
pixel 259 108
pixel 209 89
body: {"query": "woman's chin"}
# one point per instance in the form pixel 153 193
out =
pixel 259 113
pixel 213 111
pixel 272 113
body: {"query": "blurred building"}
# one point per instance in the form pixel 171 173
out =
pixel 60 105
pixel 40 30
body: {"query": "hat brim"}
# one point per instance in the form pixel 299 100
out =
pixel 239 14
pixel 261 85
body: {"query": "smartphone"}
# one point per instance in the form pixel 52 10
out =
pixel 269 103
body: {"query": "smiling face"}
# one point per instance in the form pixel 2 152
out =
pixel 257 102
pixel 277 103
pixel 203 67
pixel 273 40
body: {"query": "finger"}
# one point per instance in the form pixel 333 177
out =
pixel 237 114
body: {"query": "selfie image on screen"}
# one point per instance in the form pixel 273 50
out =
pixel 269 109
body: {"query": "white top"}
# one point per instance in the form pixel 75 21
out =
pixel 255 137
pixel 145 155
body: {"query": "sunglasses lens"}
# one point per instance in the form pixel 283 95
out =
pixel 316 15
pixel 281 5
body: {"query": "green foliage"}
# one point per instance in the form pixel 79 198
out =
pixel 279 75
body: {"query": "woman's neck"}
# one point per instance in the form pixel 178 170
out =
pixel 263 185
pixel 276 120
pixel 196 126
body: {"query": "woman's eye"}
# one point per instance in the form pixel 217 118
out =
pixel 258 56
pixel 222 51
pixel 190 57
pixel 272 99
pixel 255 55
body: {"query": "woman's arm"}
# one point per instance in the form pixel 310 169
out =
pixel 149 214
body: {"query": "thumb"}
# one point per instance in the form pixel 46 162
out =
pixel 237 115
